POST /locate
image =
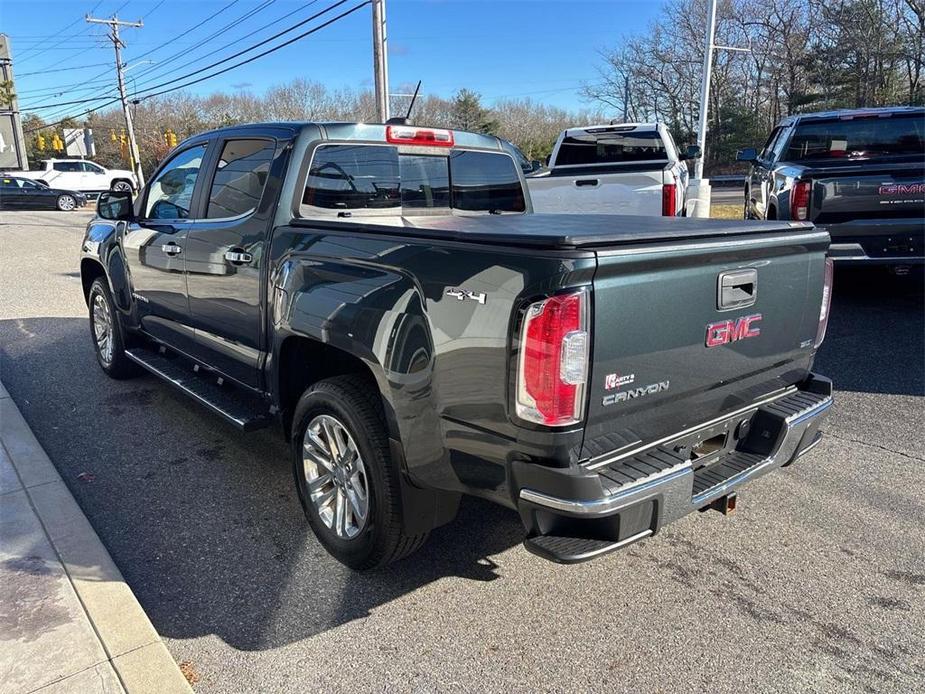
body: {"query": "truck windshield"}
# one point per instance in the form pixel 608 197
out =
pixel 610 146
pixel 370 178
pixel 858 138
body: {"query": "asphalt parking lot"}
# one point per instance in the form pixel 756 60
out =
pixel 815 584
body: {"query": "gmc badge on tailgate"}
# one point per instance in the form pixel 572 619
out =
pixel 725 331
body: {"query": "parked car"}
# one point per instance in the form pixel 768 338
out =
pixel 23 194
pixel 860 174
pixel 80 174
pixel 381 292
pixel 631 168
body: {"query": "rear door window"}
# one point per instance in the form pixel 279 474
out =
pixel 242 172
pixel 373 179
pixel 610 146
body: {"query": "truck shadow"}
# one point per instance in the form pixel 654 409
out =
pixel 203 520
pixel 875 341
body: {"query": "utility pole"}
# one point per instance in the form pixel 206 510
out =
pixel 380 60
pixel 114 25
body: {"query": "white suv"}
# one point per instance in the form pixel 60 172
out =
pixel 82 175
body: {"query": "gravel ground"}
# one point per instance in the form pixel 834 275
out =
pixel 815 584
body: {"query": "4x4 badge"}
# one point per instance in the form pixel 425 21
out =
pixel 464 294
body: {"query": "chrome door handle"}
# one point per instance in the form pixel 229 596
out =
pixel 171 248
pixel 238 257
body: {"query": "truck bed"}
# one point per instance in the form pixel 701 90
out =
pixel 555 231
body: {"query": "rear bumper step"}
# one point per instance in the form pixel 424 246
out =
pixel 647 490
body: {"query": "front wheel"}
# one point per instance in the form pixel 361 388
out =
pixel 106 331
pixel 66 203
pixel 345 476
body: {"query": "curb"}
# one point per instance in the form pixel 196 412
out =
pixel 131 645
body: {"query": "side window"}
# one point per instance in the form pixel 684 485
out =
pixel 170 195
pixel 782 137
pixel 353 177
pixel 91 168
pixel 239 180
pixel 10 183
pixel 66 166
pixel 766 150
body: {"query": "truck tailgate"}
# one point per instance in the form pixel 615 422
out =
pixel 875 192
pixel 631 191
pixel 666 356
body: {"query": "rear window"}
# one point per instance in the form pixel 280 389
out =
pixel 858 138
pixel 610 146
pixel 370 178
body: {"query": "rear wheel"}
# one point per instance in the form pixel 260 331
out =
pixel 66 203
pixel 345 476
pixel 121 185
pixel 106 331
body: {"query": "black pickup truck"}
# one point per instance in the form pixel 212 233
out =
pixel 859 174
pixel 383 292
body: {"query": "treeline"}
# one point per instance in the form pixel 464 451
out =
pixel 803 55
pixel 531 125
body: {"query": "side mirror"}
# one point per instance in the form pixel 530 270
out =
pixel 747 154
pixel 115 205
pixel 536 165
pixel 692 152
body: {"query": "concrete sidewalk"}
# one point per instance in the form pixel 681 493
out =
pixel 68 621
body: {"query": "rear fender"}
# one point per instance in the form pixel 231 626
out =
pixel 377 316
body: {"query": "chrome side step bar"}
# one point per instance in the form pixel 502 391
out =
pixel 237 408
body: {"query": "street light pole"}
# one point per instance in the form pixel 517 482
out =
pixel 702 187
pixel 705 87
pixel 114 25
pixel 380 61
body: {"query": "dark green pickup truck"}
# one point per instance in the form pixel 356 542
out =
pixel 385 295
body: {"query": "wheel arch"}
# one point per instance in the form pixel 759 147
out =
pixel 90 270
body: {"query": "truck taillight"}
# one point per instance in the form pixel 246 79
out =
pixel 407 135
pixel 799 200
pixel 669 200
pixel 552 366
pixel 826 308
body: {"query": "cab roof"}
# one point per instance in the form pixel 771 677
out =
pixel 345 130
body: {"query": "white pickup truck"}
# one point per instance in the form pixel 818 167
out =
pixel 626 168
pixel 80 174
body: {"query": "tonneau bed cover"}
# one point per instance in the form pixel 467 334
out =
pixel 562 231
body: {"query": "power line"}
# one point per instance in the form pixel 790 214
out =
pixel 80 86
pixel 56 35
pixel 68 39
pixel 218 62
pixel 267 52
pixel 232 67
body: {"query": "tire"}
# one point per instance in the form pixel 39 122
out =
pixel 378 537
pixel 66 203
pixel 122 185
pixel 111 359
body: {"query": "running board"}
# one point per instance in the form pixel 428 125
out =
pixel 236 407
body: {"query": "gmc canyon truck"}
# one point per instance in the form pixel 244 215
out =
pixel 859 174
pixel 383 292
pixel 627 168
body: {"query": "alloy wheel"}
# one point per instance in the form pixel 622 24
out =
pixel 102 328
pixel 335 476
pixel 66 203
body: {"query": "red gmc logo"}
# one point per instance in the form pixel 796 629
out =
pixel 725 331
